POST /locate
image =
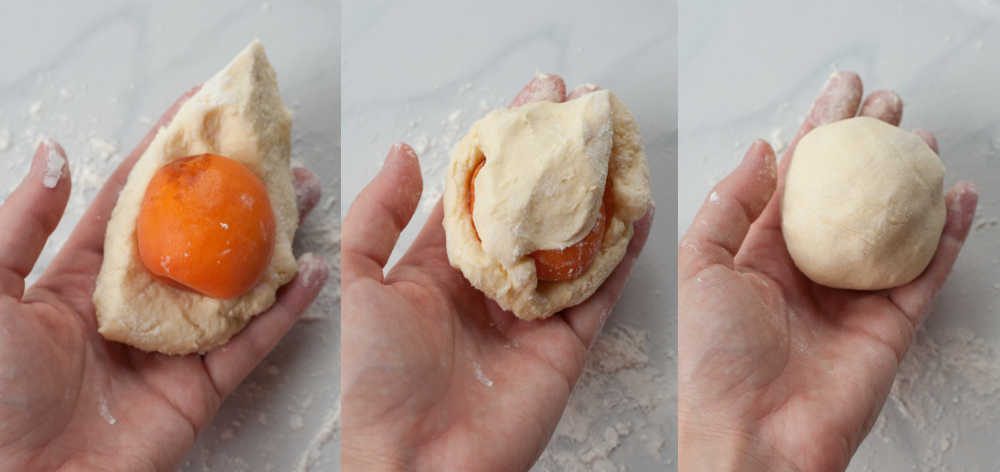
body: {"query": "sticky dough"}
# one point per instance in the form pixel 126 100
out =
pixel 863 206
pixel 541 188
pixel 239 114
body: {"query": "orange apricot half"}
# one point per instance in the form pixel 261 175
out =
pixel 206 224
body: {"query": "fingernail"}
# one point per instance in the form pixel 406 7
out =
pixel 313 270
pixel 55 161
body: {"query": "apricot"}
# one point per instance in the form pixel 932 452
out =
pixel 207 225
pixel 556 265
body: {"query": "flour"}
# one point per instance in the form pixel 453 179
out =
pixel 433 142
pixel 623 402
pixel 104 149
pixel 778 142
pixel 105 412
pixel 947 384
pixel 328 432
pixel 54 163
pixel 481 376
pixel 4 139
pixel 984 223
pixel 34 110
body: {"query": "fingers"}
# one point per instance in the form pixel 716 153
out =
pixel 588 319
pixel 379 214
pixel 883 105
pixel 430 236
pixel 582 90
pixel 724 219
pixel 308 190
pixel 87 240
pixel 30 214
pixel 928 138
pixel 542 88
pixel 837 100
pixel 229 364
pixel 915 297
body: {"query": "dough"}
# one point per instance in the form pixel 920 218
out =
pixel 541 188
pixel 239 114
pixel 545 175
pixel 863 207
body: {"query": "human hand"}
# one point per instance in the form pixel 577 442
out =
pixel 435 376
pixel 69 399
pixel 775 371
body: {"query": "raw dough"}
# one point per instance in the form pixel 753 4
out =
pixel 544 192
pixel 863 207
pixel 545 175
pixel 239 114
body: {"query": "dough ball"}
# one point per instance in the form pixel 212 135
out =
pixel 863 206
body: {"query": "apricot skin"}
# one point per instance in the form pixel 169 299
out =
pixel 206 224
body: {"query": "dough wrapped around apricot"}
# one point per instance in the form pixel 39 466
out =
pixel 540 200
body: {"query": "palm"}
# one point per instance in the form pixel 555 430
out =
pixel 87 389
pixel 805 368
pixel 458 356
pixel 823 365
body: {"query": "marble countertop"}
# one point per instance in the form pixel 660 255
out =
pixel 424 72
pixel 748 72
pixel 96 75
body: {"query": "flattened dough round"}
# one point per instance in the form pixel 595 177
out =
pixel 515 287
pixel 863 207
pixel 239 114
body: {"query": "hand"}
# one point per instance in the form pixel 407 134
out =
pixel 777 372
pixel 71 400
pixel 435 376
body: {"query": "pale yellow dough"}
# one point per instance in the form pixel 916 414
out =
pixel 541 188
pixel 239 114
pixel 863 206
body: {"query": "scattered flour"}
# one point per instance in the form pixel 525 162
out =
pixel 481 376
pixel 104 149
pixel 623 402
pixel 4 139
pixel 105 412
pixel 34 110
pixel 778 142
pixel 329 432
pixel 985 223
pixel 948 383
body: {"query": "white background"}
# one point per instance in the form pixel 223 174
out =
pixel 424 72
pixel 96 75
pixel 748 70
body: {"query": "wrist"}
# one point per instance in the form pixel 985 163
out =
pixel 702 448
pixel 357 459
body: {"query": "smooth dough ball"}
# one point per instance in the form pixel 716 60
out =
pixel 863 206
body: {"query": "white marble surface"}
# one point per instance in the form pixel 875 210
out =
pixel 424 72
pixel 749 70
pixel 96 75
